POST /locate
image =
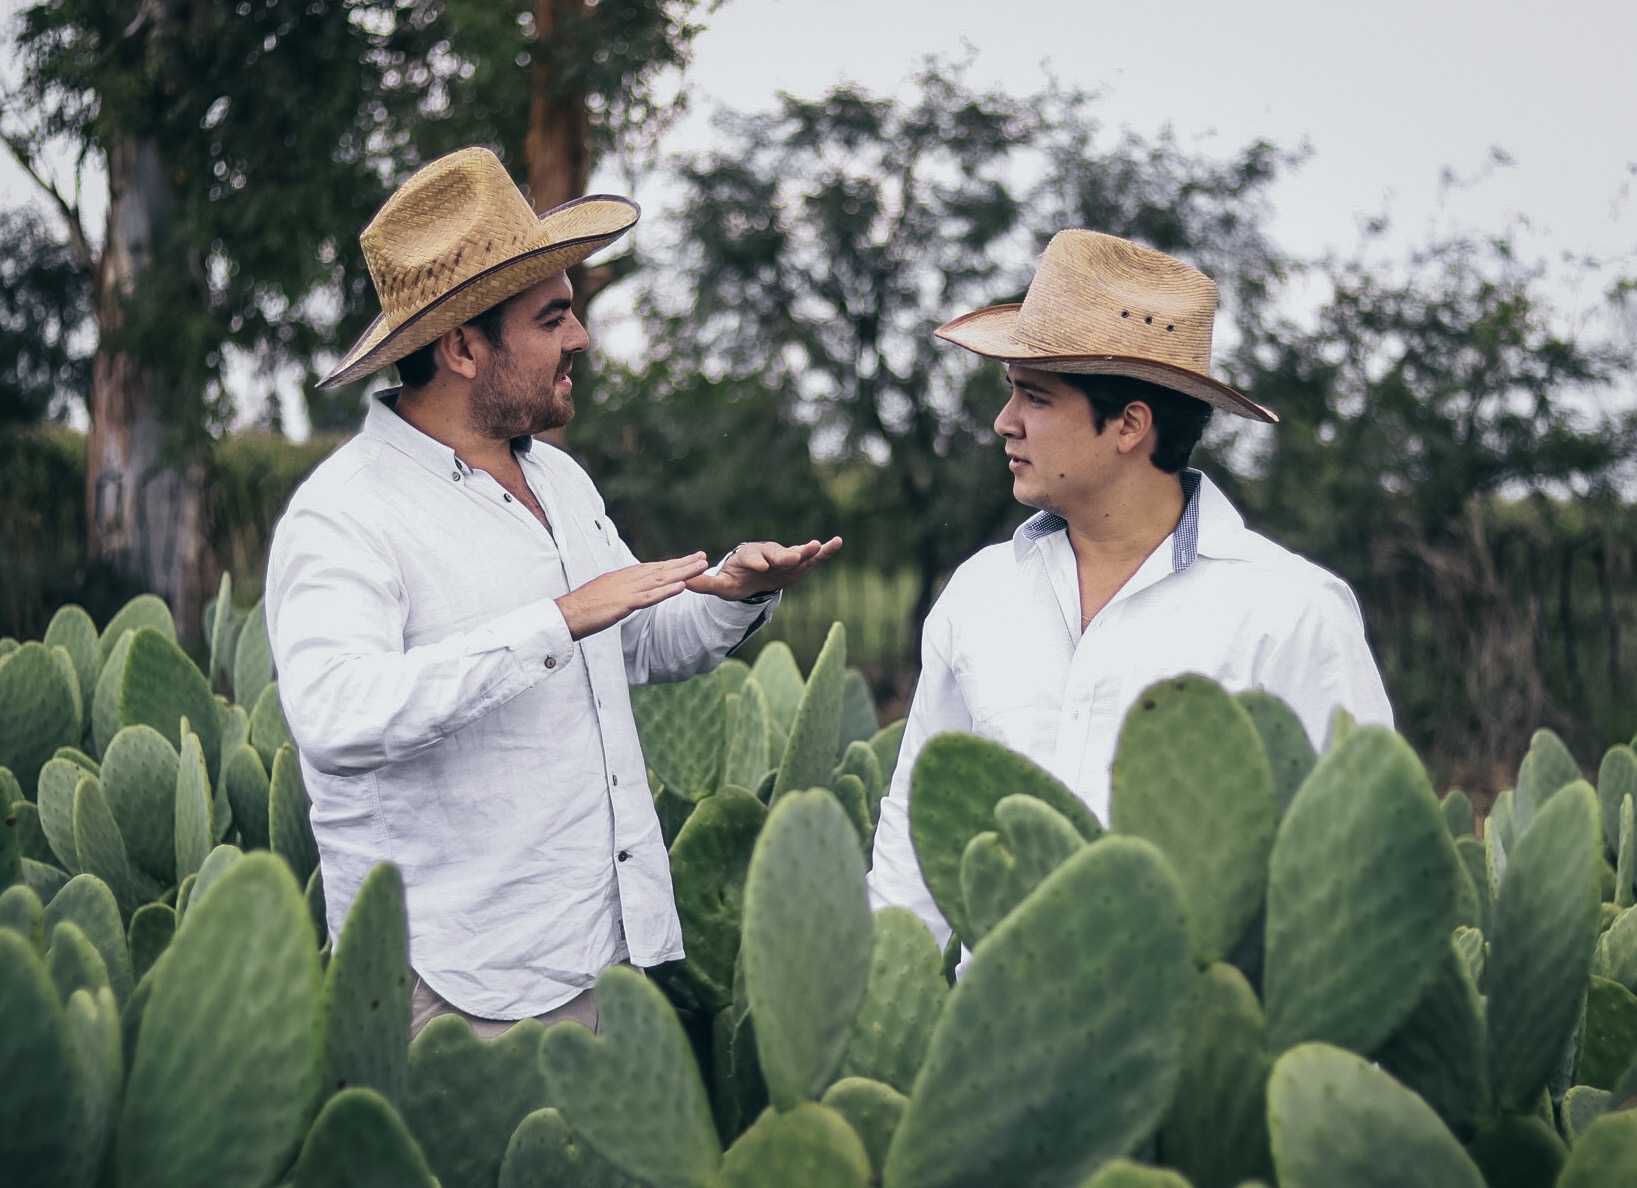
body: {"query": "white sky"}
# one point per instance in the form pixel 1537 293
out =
pixel 1387 95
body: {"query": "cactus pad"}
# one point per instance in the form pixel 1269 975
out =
pixel 807 941
pixel 779 676
pixel 958 780
pixel 42 1091
pixel 749 744
pixel 810 752
pixel 859 720
pixel 288 821
pixel 195 832
pixel 1608 1036
pixel 1005 1096
pixel 1338 1122
pixel 811 1146
pixel 367 992
pixel 358 1141
pixel 902 1000
pixel 160 686
pixel 152 929
pixel 999 869
pixel 681 727
pixel 1364 842
pixel 145 610
pixel 105 722
pixel 467 1095
pixel 1540 950
pixel 139 779
pixel 99 846
pixel 252 657
pixel 1547 767
pixel 709 860
pixel 1439 1049
pixel 1616 779
pixel 225 1077
pixel 1514 1150
pixel 545 1153
pixel 872 1109
pixel 1123 1173
pixel 72 630
pixel 39 711
pixel 1604 1154
pixel 87 901
pixel 1216 1131
pixel 633 1093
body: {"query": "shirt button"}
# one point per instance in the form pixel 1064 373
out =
pixel 455 475
pixel 551 661
pixel 623 855
pixel 616 781
pixel 507 498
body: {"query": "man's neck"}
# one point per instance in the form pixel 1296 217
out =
pixel 1127 522
pixel 441 415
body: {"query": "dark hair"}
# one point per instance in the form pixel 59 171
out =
pixel 416 369
pixel 1179 421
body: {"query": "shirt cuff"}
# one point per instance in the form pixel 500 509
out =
pixel 537 634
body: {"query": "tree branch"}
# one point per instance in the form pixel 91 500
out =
pixel 70 211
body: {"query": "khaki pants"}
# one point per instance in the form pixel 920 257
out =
pixel 426 1004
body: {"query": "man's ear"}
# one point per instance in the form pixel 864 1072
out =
pixel 1135 426
pixel 457 352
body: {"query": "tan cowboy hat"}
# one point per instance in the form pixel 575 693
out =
pixel 1100 305
pixel 458 238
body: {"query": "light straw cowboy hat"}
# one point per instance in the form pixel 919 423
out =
pixel 1100 305
pixel 458 238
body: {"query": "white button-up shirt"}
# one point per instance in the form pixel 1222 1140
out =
pixel 447 722
pixel 1003 656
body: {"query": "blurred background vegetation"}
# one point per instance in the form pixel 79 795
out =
pixel 1455 446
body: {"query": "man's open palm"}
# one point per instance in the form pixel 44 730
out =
pixel 756 567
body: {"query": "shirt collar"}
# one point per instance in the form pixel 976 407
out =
pixel 382 422
pixel 1209 525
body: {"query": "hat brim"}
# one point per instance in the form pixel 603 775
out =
pixel 383 343
pixel 992 333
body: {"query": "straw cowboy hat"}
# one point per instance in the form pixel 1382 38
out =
pixel 1100 305
pixel 458 238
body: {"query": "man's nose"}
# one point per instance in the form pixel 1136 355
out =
pixel 1006 422
pixel 577 340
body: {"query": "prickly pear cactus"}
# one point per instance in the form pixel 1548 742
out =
pixel 811 1146
pixel 367 993
pixel 195 830
pixel 1338 1122
pixel 288 815
pixel 633 1092
pixel 226 1072
pixel 1364 841
pixel 39 711
pixel 139 779
pixel 252 658
pixel 72 630
pixel 358 1141
pixel 807 940
pixel 958 781
pixel 545 1153
pixel 145 610
pixel 159 686
pixel 1541 950
pixel 1030 840
pixel 779 676
pixel 1604 1154
pixel 811 752
pixel 709 861
pixel 1007 1097
pixel 1216 1131
pixel 1616 779
pixel 89 904
pixel 1191 776
pixel 750 743
pixel 682 733
pixel 872 1109
pixel 1547 767
pixel 902 999
pixel 42 1090
pixel 467 1095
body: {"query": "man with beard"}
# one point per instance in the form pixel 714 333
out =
pixel 455 619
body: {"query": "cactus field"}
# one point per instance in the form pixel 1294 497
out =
pixel 1271 967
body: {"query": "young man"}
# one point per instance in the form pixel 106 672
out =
pixel 455 620
pixel 1135 568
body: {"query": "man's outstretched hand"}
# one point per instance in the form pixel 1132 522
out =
pixel 609 597
pixel 758 566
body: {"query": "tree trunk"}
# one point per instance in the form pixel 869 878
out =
pixel 558 150
pixel 146 512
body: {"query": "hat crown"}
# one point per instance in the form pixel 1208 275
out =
pixel 451 220
pixel 1097 294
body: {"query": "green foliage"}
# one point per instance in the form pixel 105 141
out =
pixel 709 860
pixel 358 1141
pixel 40 710
pixel 367 994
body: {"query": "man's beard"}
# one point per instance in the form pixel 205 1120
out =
pixel 505 402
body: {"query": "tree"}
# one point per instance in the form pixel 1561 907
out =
pixel 44 308
pixel 823 243
pixel 242 145
pixel 1434 419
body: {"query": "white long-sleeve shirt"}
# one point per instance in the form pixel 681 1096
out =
pixel 447 722
pixel 1002 655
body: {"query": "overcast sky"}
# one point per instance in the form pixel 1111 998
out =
pixel 1387 95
